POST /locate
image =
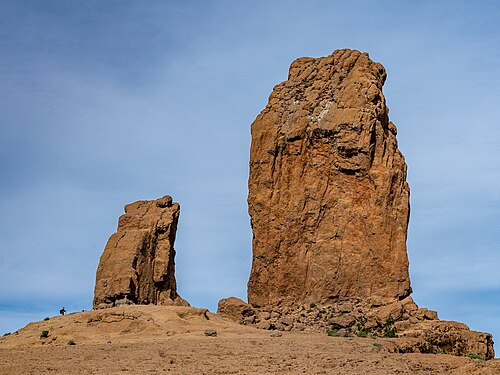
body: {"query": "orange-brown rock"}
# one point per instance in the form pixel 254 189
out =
pixel 235 309
pixel 329 208
pixel 328 197
pixel 137 266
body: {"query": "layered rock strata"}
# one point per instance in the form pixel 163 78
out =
pixel 328 198
pixel 137 266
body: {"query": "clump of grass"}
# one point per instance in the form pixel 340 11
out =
pixel 44 334
pixel 46 318
pixel 71 342
pixel 475 356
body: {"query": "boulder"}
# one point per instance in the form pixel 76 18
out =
pixel 236 310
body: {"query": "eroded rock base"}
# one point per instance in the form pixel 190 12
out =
pixel 416 330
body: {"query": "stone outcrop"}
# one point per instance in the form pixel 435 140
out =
pixel 329 207
pixel 328 197
pixel 411 329
pixel 137 266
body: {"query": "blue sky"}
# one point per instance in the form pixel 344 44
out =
pixel 106 103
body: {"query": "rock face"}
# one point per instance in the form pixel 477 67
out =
pixel 137 266
pixel 328 197
pixel 329 208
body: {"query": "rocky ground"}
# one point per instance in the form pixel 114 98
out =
pixel 161 339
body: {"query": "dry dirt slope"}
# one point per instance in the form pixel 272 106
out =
pixel 159 339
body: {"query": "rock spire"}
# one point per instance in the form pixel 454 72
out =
pixel 328 197
pixel 137 266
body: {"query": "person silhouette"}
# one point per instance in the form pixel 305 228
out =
pixel 62 311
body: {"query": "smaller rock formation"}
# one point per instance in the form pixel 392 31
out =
pixel 137 266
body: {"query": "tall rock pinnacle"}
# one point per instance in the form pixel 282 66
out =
pixel 137 265
pixel 328 197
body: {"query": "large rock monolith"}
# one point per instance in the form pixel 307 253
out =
pixel 137 266
pixel 329 207
pixel 328 197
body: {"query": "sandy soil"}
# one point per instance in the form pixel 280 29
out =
pixel 153 339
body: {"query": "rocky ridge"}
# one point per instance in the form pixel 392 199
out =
pixel 137 265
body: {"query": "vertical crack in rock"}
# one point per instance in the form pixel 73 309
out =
pixel 137 265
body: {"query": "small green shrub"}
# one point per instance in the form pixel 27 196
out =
pixel 312 305
pixel 46 318
pixel 333 333
pixel 475 356
pixel 362 333
pixel 6 334
pixel 44 334
pixel 71 342
pixel 389 331
pixel 362 330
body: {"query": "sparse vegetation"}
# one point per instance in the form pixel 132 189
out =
pixel 322 311
pixel 46 318
pixel 71 342
pixel 44 334
pixel 333 333
pixel 312 305
pixel 362 330
pixel 475 356
pixel 6 334
pixel 362 333
pixel 336 326
pixel 389 331
pixel 377 345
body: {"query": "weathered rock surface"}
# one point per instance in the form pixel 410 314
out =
pixel 413 329
pixel 137 266
pixel 329 207
pixel 328 197
pixel 235 309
